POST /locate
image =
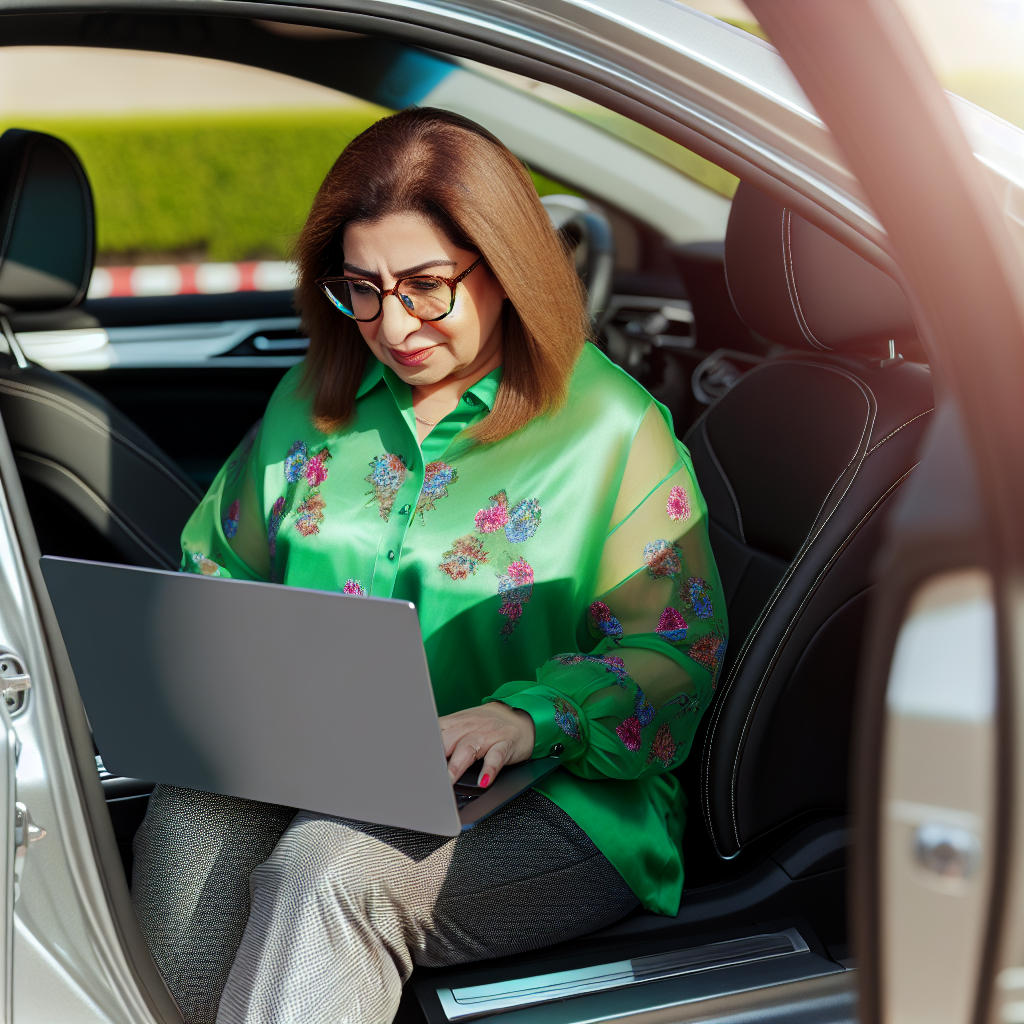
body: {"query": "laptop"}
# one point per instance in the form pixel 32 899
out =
pixel 305 698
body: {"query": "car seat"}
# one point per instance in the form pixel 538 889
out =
pixel 799 463
pixel 97 487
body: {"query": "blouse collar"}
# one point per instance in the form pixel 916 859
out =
pixel 485 390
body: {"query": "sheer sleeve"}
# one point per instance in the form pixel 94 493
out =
pixel 629 706
pixel 227 534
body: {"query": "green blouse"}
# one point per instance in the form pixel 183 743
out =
pixel 564 570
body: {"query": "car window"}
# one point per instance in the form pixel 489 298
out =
pixel 203 172
pixel 976 49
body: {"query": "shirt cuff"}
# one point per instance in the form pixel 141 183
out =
pixel 558 722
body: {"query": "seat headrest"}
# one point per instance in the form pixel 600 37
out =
pixel 797 286
pixel 46 220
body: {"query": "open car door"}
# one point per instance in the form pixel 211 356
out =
pixel 936 897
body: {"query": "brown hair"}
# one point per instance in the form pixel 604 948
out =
pixel 462 178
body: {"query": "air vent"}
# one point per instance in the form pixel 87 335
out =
pixel 635 324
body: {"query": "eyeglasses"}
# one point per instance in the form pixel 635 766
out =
pixel 426 298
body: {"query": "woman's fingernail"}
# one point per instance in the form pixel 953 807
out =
pixel 485 781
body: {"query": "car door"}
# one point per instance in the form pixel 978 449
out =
pixel 18 830
pixel 938 880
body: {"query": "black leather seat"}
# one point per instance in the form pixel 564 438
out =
pixel 799 464
pixel 96 485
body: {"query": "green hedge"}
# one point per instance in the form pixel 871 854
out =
pixel 234 186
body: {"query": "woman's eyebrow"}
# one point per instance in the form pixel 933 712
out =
pixel 401 273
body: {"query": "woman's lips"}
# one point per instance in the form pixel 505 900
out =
pixel 412 358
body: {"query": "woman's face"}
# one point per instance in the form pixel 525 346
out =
pixel 467 340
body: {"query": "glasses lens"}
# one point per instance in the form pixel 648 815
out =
pixel 358 299
pixel 427 298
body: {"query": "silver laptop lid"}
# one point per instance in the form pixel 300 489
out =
pixel 298 697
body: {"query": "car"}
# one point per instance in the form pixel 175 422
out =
pixel 794 250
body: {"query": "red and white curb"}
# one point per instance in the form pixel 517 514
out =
pixel 191 279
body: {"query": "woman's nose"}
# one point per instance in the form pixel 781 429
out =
pixel 397 323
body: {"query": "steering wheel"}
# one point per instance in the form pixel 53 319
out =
pixel 589 235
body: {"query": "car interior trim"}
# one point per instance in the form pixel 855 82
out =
pixel 472 1001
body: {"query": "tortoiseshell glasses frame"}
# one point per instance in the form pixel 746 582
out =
pixel 420 295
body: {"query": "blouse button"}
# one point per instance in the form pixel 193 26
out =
pixel 391 556
pixel 557 750
pixel 405 510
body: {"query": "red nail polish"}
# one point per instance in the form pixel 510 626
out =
pixel 485 781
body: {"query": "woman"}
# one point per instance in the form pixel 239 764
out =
pixel 450 440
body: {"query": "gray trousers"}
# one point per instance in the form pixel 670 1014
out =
pixel 255 916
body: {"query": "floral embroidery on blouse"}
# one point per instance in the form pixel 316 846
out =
pixel 310 514
pixel 611 662
pixel 663 747
pixel 671 626
pixel 662 559
pixel 230 521
pixel 386 476
pixel 520 522
pixel 203 565
pixel 273 527
pixel 644 709
pixel 566 717
pixel 516 589
pixel 709 651
pixel 629 732
pixel 602 620
pixel 678 505
pixel 315 469
pixel 697 594
pixel 463 558
pixel 437 478
pixel 295 462
pixel 354 587
pixel 687 705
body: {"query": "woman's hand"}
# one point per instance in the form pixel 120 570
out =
pixel 499 734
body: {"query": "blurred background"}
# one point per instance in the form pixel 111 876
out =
pixel 975 47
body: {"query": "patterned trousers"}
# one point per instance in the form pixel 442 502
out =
pixel 342 910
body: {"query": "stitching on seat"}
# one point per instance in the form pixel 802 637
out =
pixel 878 444
pixel 725 479
pixel 787 576
pixel 132 531
pixel 71 409
pixel 791 625
pixel 794 294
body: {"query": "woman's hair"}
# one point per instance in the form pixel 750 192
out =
pixel 467 183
